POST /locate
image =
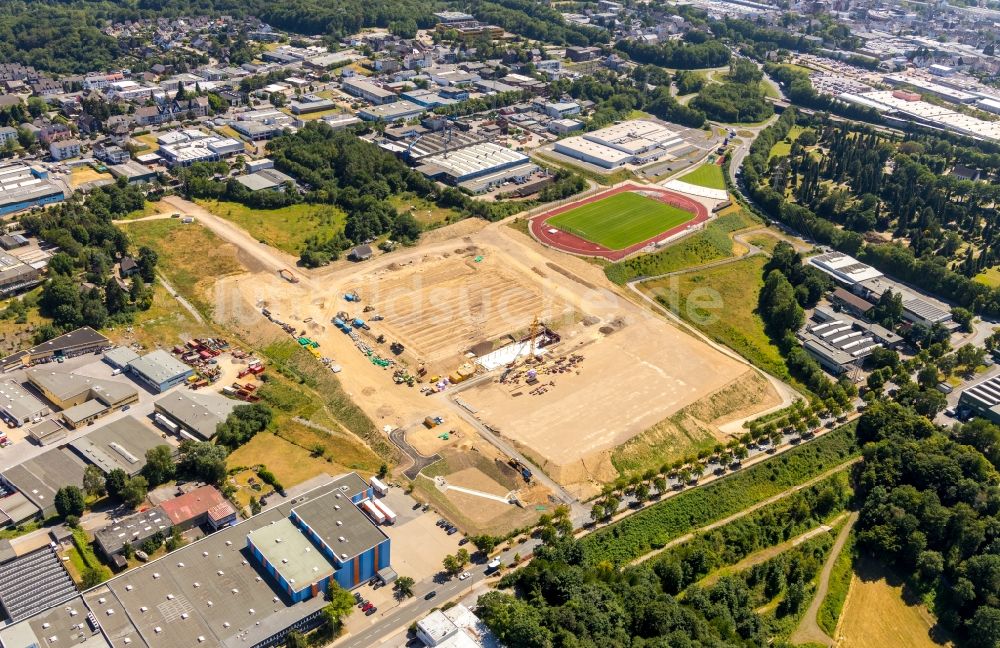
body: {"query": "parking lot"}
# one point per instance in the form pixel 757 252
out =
pixel 90 365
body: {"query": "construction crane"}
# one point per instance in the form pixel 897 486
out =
pixel 532 334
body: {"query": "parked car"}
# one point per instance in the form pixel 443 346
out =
pixel 358 598
pixel 463 541
pixel 367 606
pixel 452 531
pixel 370 611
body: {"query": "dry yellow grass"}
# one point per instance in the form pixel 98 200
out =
pixel 81 175
pixel 876 616
pixel 290 464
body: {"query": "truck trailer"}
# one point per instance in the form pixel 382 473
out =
pixel 390 517
pixel 379 486
pixel 375 514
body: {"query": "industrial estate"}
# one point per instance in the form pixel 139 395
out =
pixel 499 324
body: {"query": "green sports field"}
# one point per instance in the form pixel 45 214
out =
pixel 621 220
pixel 707 175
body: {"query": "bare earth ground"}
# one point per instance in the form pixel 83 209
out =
pixel 439 306
pixel 876 616
pixel 630 380
pixel 627 383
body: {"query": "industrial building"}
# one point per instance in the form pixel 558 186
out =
pixel 133 529
pixel 630 142
pixel 843 268
pixel 368 91
pixel 15 275
pixel 471 162
pixel 184 148
pixel 80 341
pixel 266 180
pixel 133 172
pixel 983 399
pixel 66 389
pixel 32 583
pixel 47 432
pixel 68 620
pixel 159 370
pixel 204 505
pixel 310 103
pixel 392 112
pixel 119 357
pixel 218 592
pixel 195 415
pixel 119 445
pixel 18 406
pixel 838 344
pixel 456 627
pixel 23 187
pixel 900 107
pixel 40 477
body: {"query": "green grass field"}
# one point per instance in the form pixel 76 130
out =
pixel 707 175
pixel 621 220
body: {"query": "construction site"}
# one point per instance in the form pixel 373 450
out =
pixel 500 343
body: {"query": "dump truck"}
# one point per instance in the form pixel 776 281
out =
pixel 288 275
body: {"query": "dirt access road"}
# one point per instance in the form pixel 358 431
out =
pixel 809 630
pixel 256 256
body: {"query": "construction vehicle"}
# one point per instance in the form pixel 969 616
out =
pixel 520 467
pixel 352 297
pixel 396 348
pixel 288 275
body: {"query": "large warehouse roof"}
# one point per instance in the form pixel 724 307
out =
pixel 475 160
pixel 345 530
pixel 159 366
pixel 198 412
pixel 207 593
pixel 121 444
pixel 291 553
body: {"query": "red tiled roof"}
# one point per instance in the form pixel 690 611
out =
pixel 192 505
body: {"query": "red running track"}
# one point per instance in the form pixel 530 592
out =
pixel 575 245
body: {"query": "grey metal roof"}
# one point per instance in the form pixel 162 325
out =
pixel 159 366
pixel 291 553
pixel 134 529
pixel 205 589
pixel 40 477
pixel 199 412
pixel 358 532
pixel 33 583
pixel 66 385
pixel 18 402
pixel 120 444
pixel 66 621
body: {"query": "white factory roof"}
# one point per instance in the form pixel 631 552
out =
pixel 844 267
pixel 475 159
pixel 586 148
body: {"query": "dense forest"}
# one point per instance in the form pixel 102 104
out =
pixel 616 97
pixel 856 182
pixel 684 55
pixel 930 507
pixel 740 98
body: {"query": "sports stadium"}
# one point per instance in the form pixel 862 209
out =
pixel 619 222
